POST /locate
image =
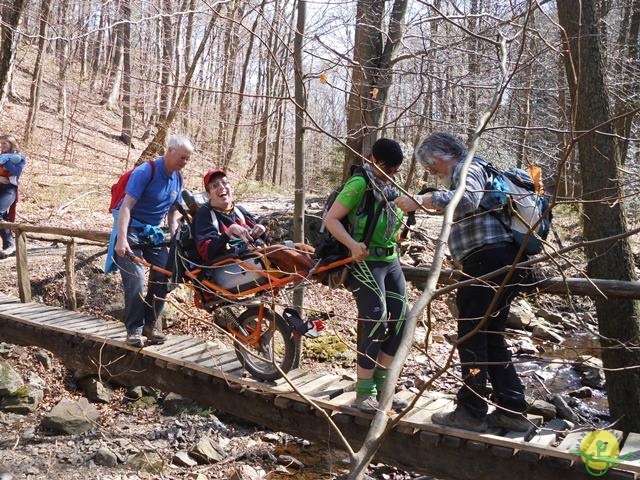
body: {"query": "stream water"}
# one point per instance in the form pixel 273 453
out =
pixel 554 372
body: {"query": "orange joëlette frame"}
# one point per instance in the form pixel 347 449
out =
pixel 273 282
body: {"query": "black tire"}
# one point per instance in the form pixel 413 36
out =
pixel 274 329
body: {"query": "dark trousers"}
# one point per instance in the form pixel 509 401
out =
pixel 142 310
pixel 8 194
pixel 485 354
pixel 380 292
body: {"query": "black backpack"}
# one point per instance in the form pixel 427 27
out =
pixel 328 248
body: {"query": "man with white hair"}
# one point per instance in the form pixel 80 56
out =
pixel 481 242
pixel 151 194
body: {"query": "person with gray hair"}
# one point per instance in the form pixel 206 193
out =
pixel 152 193
pixel 480 242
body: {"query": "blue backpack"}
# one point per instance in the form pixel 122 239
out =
pixel 514 192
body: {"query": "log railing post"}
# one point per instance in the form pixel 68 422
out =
pixel 22 266
pixel 70 275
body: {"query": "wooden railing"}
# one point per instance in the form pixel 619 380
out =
pixel 418 275
pixel 67 236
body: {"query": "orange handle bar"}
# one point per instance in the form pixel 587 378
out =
pixel 155 268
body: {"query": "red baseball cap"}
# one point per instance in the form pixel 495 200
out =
pixel 212 173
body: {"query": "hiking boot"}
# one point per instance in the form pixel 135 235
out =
pixel 154 336
pixel 135 340
pixel 366 404
pixel 397 404
pixel 460 418
pixel 519 423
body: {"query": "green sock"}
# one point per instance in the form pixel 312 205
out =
pixel 365 387
pixel 379 376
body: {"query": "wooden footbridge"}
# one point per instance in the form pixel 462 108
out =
pixel 195 368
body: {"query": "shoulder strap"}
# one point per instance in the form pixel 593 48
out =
pixel 214 219
pixel 240 215
pixel 152 165
pixel 216 223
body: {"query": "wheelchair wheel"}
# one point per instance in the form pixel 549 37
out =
pixel 277 345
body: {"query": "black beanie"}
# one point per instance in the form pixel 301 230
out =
pixel 387 152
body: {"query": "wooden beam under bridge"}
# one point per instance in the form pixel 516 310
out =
pixel 550 286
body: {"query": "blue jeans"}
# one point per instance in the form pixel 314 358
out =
pixel 8 193
pixel 485 355
pixel 141 311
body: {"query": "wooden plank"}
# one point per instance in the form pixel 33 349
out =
pixel 295 376
pixel 544 438
pixel 57 318
pixel 508 452
pixel 535 422
pixel 89 326
pixel 70 274
pixel 297 382
pixel 192 350
pixel 43 316
pixel 319 384
pixel 8 299
pixel 169 349
pixel 423 416
pixel 22 267
pixel 211 350
pixel 335 389
pixel 230 367
pixel 631 445
pixel 570 442
pixel 108 329
pixel 218 360
pixel 172 340
pixel 79 325
pixel 418 415
pixel 18 308
pixel 342 400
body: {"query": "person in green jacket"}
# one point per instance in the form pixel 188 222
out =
pixel 376 278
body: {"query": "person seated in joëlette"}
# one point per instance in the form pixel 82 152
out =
pixel 221 227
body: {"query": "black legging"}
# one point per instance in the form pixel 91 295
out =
pixel 380 293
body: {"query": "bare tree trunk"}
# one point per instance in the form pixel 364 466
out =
pixel 167 58
pixel 97 50
pixel 11 19
pixel 127 126
pixel 186 118
pixel 36 81
pixel 243 82
pixel 157 143
pixel 371 79
pixel 64 57
pixel 112 88
pixel 229 48
pixel 474 68
pixel 618 320
pixel 301 105
pixel 627 75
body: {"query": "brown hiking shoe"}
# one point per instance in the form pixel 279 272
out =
pixel 135 340
pixel 460 418
pixel 154 336
pixel 366 404
pixel 519 423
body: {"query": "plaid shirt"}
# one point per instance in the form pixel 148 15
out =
pixel 473 227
